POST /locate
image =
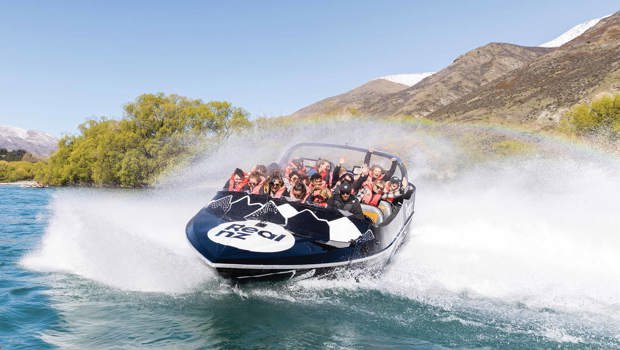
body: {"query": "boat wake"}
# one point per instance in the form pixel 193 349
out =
pixel 535 233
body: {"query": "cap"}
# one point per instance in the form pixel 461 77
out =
pixel 345 188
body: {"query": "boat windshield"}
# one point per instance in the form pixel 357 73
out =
pixel 354 157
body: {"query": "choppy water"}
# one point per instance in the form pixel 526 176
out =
pixel 506 255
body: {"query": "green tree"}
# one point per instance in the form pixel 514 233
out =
pixel 601 117
pixel 157 132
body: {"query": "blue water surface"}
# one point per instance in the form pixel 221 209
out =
pixel 46 310
pixel 25 310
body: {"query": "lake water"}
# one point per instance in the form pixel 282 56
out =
pixel 519 254
pixel 110 269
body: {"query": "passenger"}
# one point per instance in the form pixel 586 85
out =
pixel 392 190
pixel 395 190
pixel 346 177
pixel 319 197
pixel 372 196
pixel 274 170
pixel 295 165
pixel 322 167
pixel 316 182
pixel 254 184
pixel 261 170
pixel 275 187
pixel 371 175
pixel 237 181
pixel 366 177
pixel 305 180
pixel 292 179
pixel 386 174
pixel 316 187
pixel 339 170
pixel 297 193
pixel 345 200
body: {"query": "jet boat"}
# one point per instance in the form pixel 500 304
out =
pixel 246 236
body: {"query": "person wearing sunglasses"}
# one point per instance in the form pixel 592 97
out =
pixel 372 195
pixel 345 200
pixel 275 187
pixel 292 179
pixel 395 189
pixel 319 197
pixel 254 184
pixel 298 193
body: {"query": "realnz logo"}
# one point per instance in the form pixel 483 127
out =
pixel 252 235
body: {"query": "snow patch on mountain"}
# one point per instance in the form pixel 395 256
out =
pixel 36 142
pixel 407 79
pixel 572 33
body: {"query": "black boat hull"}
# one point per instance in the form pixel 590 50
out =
pixel 308 256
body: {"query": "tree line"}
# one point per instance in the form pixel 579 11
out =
pixel 160 131
pixel 17 165
pixel 157 132
pixel 599 119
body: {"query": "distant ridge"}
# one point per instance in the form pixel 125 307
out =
pixel 572 33
pixel 466 74
pixel 498 81
pixel 36 142
pixel 407 79
pixel 538 93
pixel 351 101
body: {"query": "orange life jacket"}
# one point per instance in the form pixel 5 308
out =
pixel 239 187
pixel 371 198
pixel 279 193
pixel 256 189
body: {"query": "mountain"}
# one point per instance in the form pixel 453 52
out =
pixel 499 81
pixel 579 70
pixel 466 74
pixel 36 142
pixel 350 102
pixel 407 79
pixel 572 33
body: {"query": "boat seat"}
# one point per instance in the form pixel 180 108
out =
pixel 373 213
pixel 386 208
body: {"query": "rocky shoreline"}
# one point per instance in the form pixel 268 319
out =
pixel 23 184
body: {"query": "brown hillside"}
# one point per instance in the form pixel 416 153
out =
pixel 540 91
pixel 466 74
pixel 352 101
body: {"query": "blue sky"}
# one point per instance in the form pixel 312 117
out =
pixel 62 62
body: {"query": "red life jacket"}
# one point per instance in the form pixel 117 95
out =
pixel 318 200
pixel 314 191
pixel 292 167
pixel 239 187
pixel 279 192
pixel 256 189
pixel 326 174
pixel 370 181
pixel 371 198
